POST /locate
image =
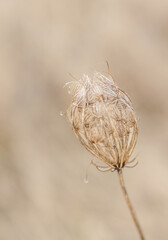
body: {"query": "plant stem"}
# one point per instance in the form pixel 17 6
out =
pixel 120 175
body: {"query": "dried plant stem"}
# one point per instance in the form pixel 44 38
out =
pixel 120 175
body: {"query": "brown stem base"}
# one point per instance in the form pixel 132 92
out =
pixel 129 204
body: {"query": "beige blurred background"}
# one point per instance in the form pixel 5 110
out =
pixel 42 165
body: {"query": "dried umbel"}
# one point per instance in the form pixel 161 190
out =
pixel 103 119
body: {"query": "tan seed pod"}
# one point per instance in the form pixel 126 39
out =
pixel 103 119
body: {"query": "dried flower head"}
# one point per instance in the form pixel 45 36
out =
pixel 103 118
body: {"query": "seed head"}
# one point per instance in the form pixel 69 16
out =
pixel 103 119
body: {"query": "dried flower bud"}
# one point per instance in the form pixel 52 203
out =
pixel 103 119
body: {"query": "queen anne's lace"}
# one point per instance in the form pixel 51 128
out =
pixel 103 119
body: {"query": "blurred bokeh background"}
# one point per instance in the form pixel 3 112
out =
pixel 42 165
